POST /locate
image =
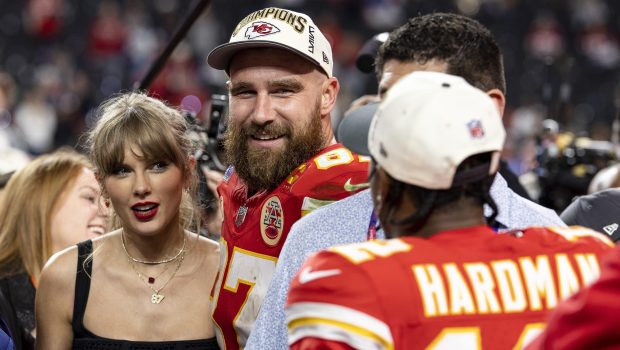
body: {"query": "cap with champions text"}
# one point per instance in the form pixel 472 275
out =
pixel 280 28
pixel 430 122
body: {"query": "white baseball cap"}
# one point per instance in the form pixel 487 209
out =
pixel 430 122
pixel 280 28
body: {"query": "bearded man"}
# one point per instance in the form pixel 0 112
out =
pixel 285 160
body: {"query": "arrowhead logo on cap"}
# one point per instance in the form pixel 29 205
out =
pixel 258 29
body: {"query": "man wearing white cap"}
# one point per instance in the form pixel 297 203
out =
pixel 285 160
pixel 444 280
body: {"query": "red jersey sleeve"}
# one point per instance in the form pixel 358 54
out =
pixel 330 302
pixel 334 174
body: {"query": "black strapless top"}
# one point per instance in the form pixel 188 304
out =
pixel 83 339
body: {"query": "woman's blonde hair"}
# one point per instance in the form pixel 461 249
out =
pixel 29 199
pixel 158 131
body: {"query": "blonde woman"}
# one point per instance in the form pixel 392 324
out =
pixel 146 284
pixel 48 205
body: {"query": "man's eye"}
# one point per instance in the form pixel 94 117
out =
pixel 283 91
pixel 242 93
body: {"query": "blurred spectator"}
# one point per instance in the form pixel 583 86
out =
pixel 600 46
pixel 48 205
pixel 36 121
pixel 545 40
pixel 11 158
pixel 107 32
pixel 44 17
pixel 175 80
pixel 142 42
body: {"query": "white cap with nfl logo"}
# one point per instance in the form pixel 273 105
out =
pixel 428 124
pixel 276 27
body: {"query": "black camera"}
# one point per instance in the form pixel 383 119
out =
pixel 209 143
pixel 218 117
pixel 567 166
pixel 209 138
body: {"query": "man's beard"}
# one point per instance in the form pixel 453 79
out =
pixel 264 168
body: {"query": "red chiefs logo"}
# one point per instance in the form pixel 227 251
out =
pixel 258 29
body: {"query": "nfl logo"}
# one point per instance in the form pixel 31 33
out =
pixel 475 129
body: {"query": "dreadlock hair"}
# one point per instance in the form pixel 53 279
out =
pixel 468 48
pixel 426 200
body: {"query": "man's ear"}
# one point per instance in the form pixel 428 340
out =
pixel 499 99
pixel 328 95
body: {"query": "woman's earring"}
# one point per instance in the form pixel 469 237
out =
pixel 106 202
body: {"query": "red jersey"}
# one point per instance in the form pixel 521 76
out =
pixel 463 289
pixel 590 318
pixel 255 228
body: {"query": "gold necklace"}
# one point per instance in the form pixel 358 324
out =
pixel 165 261
pixel 156 297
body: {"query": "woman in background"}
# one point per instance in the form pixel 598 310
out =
pixel 48 205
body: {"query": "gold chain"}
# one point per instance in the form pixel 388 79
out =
pixel 165 261
pixel 156 297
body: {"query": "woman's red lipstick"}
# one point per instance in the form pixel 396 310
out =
pixel 144 211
